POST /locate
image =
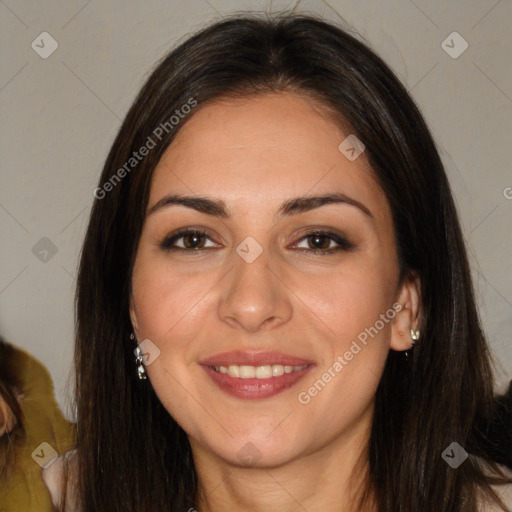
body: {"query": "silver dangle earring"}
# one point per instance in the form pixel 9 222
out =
pixel 415 335
pixel 141 371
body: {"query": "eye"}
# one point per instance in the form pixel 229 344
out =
pixel 319 242
pixel 192 240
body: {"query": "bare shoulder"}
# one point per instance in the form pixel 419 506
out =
pixel 60 478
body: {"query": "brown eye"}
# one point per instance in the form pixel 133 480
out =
pixel 193 239
pixel 319 242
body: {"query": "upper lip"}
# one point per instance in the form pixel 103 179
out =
pixel 248 358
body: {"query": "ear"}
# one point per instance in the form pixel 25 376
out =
pixel 133 316
pixel 408 313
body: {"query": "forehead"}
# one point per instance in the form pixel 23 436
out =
pixel 260 149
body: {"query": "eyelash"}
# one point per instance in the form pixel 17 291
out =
pixel 343 244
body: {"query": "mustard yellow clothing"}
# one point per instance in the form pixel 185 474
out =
pixel 24 489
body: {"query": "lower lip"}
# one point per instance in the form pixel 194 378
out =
pixel 252 389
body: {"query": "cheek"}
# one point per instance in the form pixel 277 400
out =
pixel 352 299
pixel 168 306
pixel 164 298
pixel 353 355
pixel 356 305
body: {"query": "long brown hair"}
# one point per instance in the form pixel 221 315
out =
pixel 133 456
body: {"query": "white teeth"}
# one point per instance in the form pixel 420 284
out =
pixel 247 372
pixel 259 372
pixel 277 370
pixel 264 372
pixel 234 371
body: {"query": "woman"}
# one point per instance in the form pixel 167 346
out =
pixel 272 233
pixel 32 431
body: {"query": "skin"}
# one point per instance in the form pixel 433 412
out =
pixel 253 154
pixel 7 418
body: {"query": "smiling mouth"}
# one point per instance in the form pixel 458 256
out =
pixel 258 372
pixel 256 382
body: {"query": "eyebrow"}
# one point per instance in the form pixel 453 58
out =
pixel 294 206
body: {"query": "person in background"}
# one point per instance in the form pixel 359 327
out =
pixel 33 433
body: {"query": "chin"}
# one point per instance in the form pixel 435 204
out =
pixel 259 451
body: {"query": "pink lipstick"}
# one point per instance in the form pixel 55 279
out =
pixel 255 375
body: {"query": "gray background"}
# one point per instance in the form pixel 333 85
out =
pixel 60 115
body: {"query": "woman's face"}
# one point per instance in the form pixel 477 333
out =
pixel 252 297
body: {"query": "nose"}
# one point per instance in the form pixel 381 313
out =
pixel 254 296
